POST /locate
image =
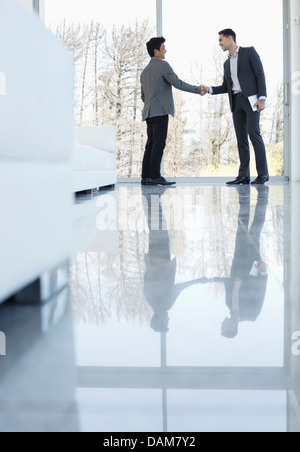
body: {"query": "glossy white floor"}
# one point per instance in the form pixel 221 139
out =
pixel 181 316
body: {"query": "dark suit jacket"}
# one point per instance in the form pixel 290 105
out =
pixel 250 74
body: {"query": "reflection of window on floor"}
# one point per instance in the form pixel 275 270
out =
pixel 181 410
pixel 110 53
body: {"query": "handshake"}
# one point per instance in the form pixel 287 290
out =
pixel 204 90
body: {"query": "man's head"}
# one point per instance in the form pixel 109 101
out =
pixel 227 39
pixel 160 322
pixel 156 48
pixel 230 328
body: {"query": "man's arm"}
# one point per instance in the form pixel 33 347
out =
pixel 258 70
pixel 143 94
pixel 173 79
pixel 259 73
pixel 222 89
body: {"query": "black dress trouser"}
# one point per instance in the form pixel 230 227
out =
pixel 246 122
pixel 157 131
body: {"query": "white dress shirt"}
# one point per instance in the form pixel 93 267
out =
pixel 236 87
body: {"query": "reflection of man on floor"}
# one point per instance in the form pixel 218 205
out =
pixel 246 287
pixel 160 289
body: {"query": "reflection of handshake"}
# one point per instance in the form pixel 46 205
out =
pixel 204 90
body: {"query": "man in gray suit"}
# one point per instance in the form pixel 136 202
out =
pixel 244 77
pixel 157 80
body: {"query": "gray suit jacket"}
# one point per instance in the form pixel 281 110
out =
pixel 250 74
pixel 157 80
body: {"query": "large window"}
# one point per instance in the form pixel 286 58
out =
pixel 108 46
pixel 202 140
pixel 119 296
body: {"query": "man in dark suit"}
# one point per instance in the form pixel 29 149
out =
pixel 244 77
pixel 160 289
pixel 246 287
pixel 157 80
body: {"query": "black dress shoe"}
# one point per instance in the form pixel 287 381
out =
pixel 261 180
pixel 240 181
pixel 146 181
pixel 161 181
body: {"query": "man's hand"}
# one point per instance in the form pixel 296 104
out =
pixel 204 90
pixel 262 267
pixel 261 105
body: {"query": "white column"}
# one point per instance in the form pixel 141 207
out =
pixel 295 89
pixel 159 27
pixel 287 81
pixel 159 31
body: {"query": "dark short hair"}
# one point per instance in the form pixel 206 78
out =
pixel 228 32
pixel 154 44
pixel 230 335
pixel 157 325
